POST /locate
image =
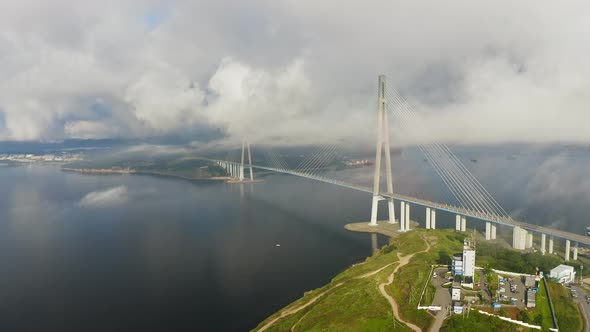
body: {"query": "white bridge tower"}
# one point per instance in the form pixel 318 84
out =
pixel 246 145
pixel 382 143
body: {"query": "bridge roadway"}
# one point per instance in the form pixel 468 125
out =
pixel 581 239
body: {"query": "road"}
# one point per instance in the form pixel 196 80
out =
pixel 581 301
pixel 441 298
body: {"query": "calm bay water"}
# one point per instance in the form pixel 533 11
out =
pixel 160 254
pixel 128 252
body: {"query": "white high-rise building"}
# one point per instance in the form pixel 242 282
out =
pixel 468 260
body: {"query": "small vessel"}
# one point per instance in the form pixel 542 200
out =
pixel 588 230
pixel 278 245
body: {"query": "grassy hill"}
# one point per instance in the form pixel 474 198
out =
pixel 355 300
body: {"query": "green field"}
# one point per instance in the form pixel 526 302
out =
pixel 479 322
pixel 566 310
pixel 541 315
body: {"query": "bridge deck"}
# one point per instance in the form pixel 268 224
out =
pixel 582 239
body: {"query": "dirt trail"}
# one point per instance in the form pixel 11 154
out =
pixel 403 260
pixel 295 310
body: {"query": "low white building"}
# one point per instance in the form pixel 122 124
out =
pixel 456 293
pixel 563 273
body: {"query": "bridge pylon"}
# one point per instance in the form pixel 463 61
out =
pixel 240 169
pixel 382 144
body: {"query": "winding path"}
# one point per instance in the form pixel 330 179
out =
pixel 295 310
pixel 403 260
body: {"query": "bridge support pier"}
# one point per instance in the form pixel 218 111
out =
pixel 463 224
pixel 543 238
pixel 550 244
pixel 493 235
pixel 391 208
pixel 428 222
pixel 402 216
pixel 575 257
pixel 529 240
pixel 433 218
pixel 374 208
pixel 567 250
pixel 518 238
pixel 488 230
pixel 457 223
pixel 383 144
pixel 408 227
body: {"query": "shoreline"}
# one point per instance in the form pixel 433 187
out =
pixel 383 227
pixel 99 171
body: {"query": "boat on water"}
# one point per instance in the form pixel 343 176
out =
pixel 587 230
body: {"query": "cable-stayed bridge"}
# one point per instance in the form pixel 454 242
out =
pixel 472 200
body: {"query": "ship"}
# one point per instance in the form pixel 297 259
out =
pixel 587 230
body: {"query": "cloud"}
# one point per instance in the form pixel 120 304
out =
pixel 293 71
pixel 560 179
pixel 105 198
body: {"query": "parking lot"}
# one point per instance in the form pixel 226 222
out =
pixel 443 295
pixel 511 289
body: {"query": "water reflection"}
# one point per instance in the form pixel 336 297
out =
pixel 176 251
pixel 374 243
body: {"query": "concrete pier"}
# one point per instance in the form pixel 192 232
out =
pixel 529 240
pixel 567 250
pixel 518 238
pixel 402 216
pixel 575 257
pixel 493 235
pixel 457 222
pixel 463 224
pixel 433 218
pixel 428 222
pixel 543 239
pixel 374 208
pixel 407 217
pixel 391 211
pixel 551 244
pixel 488 231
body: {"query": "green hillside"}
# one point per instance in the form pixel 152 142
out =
pixel 357 299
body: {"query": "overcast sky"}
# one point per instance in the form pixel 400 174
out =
pixel 481 71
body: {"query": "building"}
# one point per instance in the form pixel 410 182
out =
pixel 457 265
pixel 456 293
pixel 468 259
pixel 457 307
pixel 463 264
pixel 530 282
pixel 531 298
pixel 563 273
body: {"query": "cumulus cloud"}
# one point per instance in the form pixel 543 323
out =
pixel 104 198
pixel 293 70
